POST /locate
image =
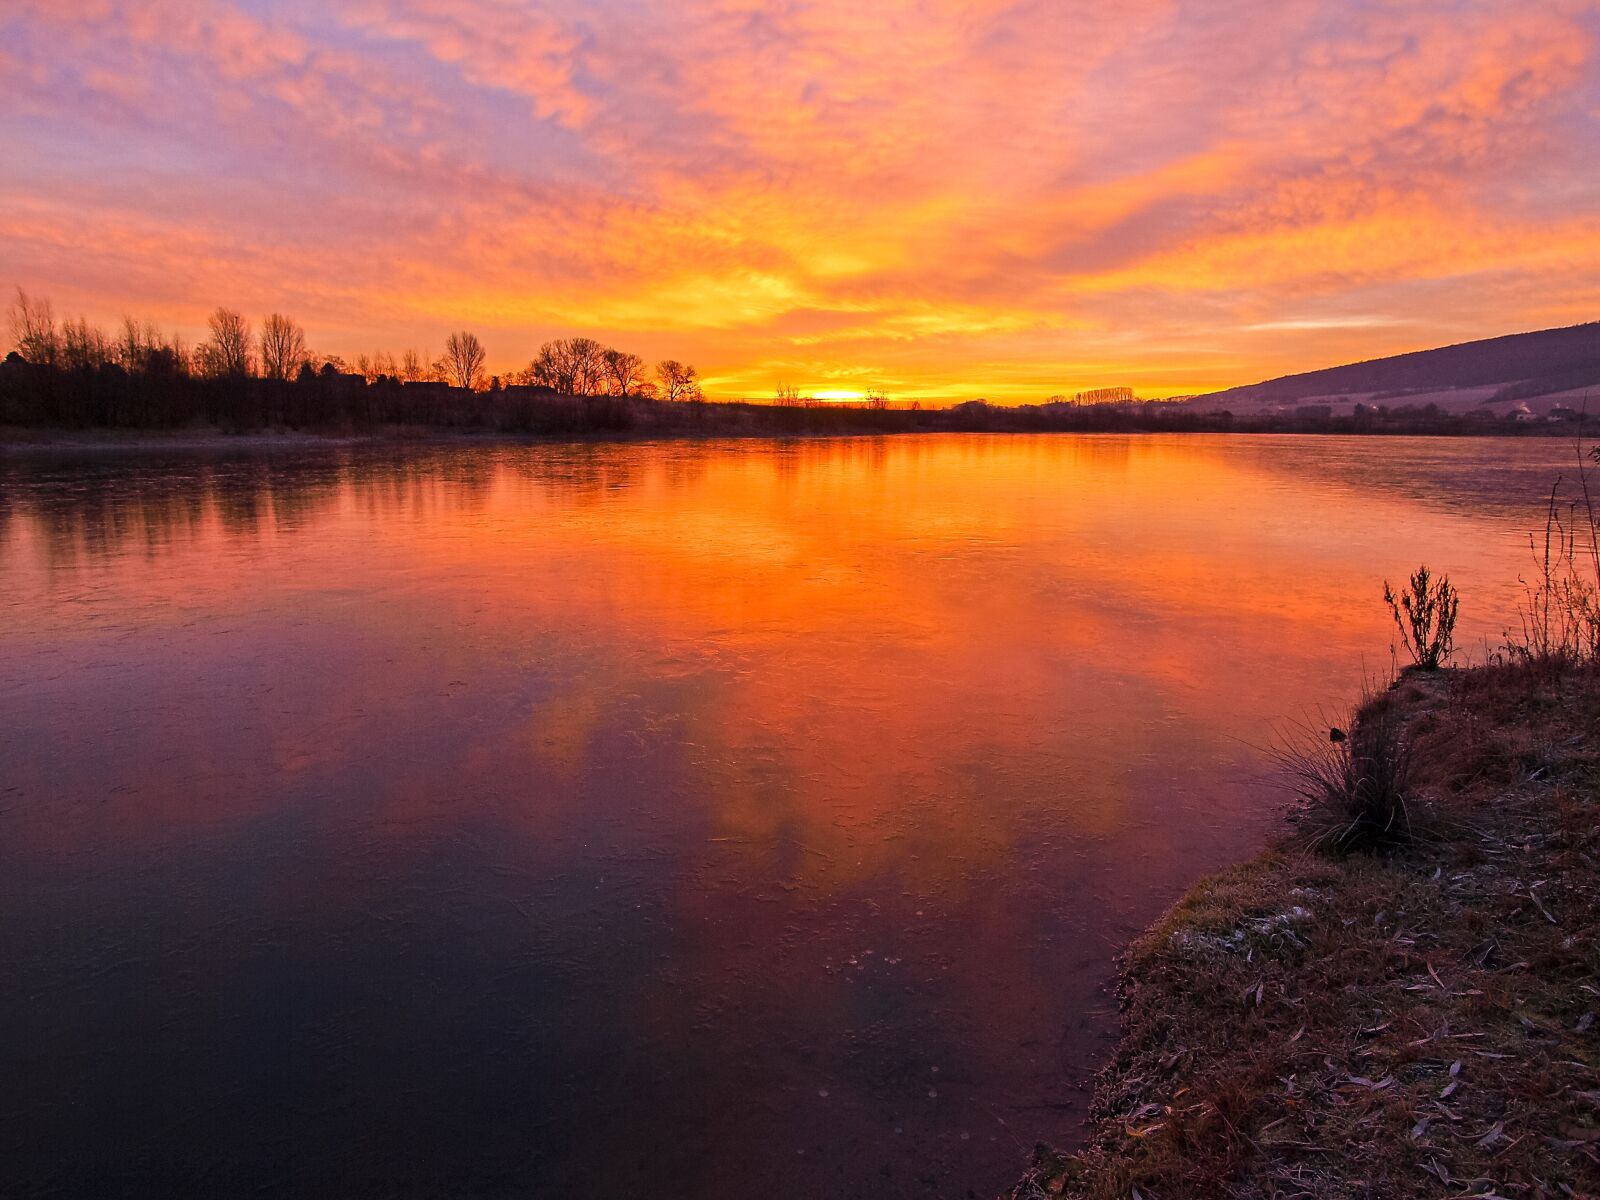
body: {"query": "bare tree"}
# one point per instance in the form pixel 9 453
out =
pixel 412 369
pixel 172 358
pixel 133 351
pixel 228 354
pixel 33 329
pixel 283 347
pixel 543 371
pixel 574 366
pixel 463 360
pixel 623 372
pixel 679 381
pixel 588 366
pixel 84 347
pixel 377 366
pixel 140 344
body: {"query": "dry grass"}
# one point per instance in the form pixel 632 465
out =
pixel 1422 1023
pixel 1353 781
pixel 1560 611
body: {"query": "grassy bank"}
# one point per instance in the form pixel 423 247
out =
pixel 1419 1022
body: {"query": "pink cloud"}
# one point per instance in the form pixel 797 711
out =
pixel 999 197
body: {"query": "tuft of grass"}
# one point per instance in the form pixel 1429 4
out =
pixel 1425 614
pixel 1353 782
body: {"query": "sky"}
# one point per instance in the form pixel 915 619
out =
pixel 939 199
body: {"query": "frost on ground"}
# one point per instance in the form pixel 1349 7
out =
pixel 1417 1024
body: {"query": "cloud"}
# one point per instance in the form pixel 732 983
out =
pixel 969 196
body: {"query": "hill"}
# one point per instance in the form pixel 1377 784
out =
pixel 1540 369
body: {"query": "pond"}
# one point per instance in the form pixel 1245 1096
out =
pixel 683 819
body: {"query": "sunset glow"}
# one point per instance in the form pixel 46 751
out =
pixel 931 199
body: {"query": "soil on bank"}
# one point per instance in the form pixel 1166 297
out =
pixel 1421 1024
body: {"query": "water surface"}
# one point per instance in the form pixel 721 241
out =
pixel 711 820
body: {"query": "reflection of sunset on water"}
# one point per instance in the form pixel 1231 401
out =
pixel 695 779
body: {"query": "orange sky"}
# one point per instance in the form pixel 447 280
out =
pixel 938 198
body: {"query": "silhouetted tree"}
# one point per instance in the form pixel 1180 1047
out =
pixel 573 366
pixel 84 347
pixel 140 344
pixel 588 366
pixel 377 366
pixel 679 381
pixel 542 371
pixel 412 368
pixel 171 359
pixel 463 359
pixel 623 372
pixel 283 347
pixel 33 329
pixel 227 355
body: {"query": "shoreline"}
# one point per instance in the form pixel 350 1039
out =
pixel 33 441
pixel 1417 1024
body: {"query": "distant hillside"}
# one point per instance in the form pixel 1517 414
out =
pixel 1502 370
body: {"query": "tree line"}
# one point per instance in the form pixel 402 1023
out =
pixel 73 375
pixel 577 366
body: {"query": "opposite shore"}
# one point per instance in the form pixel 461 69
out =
pixel 162 400
pixel 647 421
